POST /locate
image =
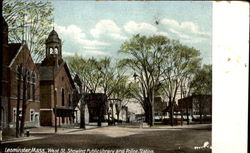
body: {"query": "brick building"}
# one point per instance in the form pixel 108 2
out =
pixel 198 106
pixel 55 76
pixel 17 55
pixel 159 107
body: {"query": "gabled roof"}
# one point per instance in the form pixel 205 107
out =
pixel 14 50
pixel 78 80
pixel 48 73
pixel 53 37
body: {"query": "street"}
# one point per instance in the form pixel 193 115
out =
pixel 159 139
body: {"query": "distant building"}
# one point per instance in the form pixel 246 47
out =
pixel 15 56
pixel 196 106
pixel 55 74
pixel 159 107
pixel 97 106
pixel 79 100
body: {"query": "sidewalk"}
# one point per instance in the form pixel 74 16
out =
pixel 60 130
pixel 45 131
pixel 185 126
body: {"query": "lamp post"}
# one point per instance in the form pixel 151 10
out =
pixel 181 106
pixel 55 98
pixel 184 92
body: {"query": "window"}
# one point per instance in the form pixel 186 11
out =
pixel 33 86
pixel 62 96
pixel 19 70
pixel 69 100
pixel 14 114
pixel 36 117
pixel 56 51
pixel 32 115
pixel 51 51
pixel 28 91
pixel 28 76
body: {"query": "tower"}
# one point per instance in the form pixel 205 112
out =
pixel 53 50
pixel 53 45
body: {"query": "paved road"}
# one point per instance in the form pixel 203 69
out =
pixel 159 140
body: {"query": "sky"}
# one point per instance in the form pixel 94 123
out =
pixel 97 29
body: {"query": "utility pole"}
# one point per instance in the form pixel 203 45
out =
pixel 181 104
pixel 1 73
pixel 55 98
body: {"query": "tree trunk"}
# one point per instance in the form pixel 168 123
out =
pixel 152 109
pixel 200 111
pixel 82 111
pixel 181 117
pixel 171 113
pixel 113 119
pixel 99 123
pixel 118 117
pixel 18 102
pixel 24 105
pixel 146 111
pixel 150 117
pixel 187 113
pixel 100 113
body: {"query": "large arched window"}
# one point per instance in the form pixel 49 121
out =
pixel 33 85
pixel 28 84
pixel 63 101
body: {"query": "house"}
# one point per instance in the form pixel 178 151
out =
pixel 56 85
pixel 19 71
pixel 97 106
pixel 79 101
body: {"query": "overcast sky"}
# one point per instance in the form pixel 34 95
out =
pixel 98 28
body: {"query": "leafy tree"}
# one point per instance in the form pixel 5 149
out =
pixel 30 21
pixel 145 60
pixel 99 74
pixel 202 81
pixel 90 76
pixel 159 63
pixel 202 85
pixel 122 92
pixel 179 64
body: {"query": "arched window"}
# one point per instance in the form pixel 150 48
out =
pixel 69 100
pixel 56 50
pixel 51 51
pixel 28 84
pixel 19 71
pixel 33 77
pixel 63 97
pixel 32 115
pixel 29 75
pixel 33 85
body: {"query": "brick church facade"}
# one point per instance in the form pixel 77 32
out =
pixel 50 88
pixel 56 85
pixel 17 56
